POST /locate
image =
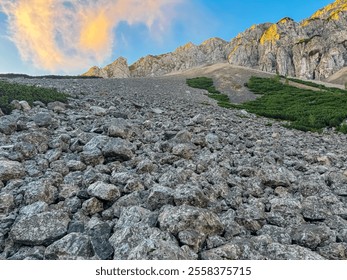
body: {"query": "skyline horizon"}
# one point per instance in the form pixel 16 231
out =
pixel 175 34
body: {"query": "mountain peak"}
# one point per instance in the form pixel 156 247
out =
pixel 331 11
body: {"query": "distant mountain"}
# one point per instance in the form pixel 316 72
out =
pixel 315 48
pixel 117 69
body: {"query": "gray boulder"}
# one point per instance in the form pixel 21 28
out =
pixel 40 229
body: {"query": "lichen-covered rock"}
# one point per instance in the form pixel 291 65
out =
pixel 160 196
pixel 118 149
pixel 177 219
pixel 8 125
pixel 225 252
pixel 92 206
pixel 40 190
pixel 104 191
pixel 312 236
pixel 11 170
pixel 140 242
pixel 74 246
pixel 6 203
pixel 40 229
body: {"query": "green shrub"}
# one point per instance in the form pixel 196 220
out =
pixel 306 110
pixel 11 91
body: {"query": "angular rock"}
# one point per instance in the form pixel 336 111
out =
pixel 29 253
pixel 40 229
pixel 160 196
pixel 104 191
pixel 74 246
pixel 119 128
pixel 312 236
pixel 43 119
pixel 190 195
pixel 11 170
pixel 145 243
pixel 40 190
pixel 134 215
pixel 118 150
pixel 278 234
pixel 182 150
pixel 6 203
pixel 181 218
pixel 8 125
pixel 92 206
pixel 225 252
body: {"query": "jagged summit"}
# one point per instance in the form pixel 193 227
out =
pixel 117 69
pixel 315 48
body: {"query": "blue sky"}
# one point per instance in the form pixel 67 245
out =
pixel 127 31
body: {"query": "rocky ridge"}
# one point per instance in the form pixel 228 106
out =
pixel 123 172
pixel 315 48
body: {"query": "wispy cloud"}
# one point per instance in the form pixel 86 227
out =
pixel 61 35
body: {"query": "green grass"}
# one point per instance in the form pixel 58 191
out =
pixel 306 110
pixel 207 84
pixel 11 91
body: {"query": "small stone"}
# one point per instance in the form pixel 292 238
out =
pixel 182 150
pixel 43 119
pixel 92 206
pixel 98 111
pixel 25 105
pixel 104 191
pixel 6 203
pixel 8 125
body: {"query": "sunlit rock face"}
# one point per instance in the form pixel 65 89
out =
pixel 314 48
pixel 117 69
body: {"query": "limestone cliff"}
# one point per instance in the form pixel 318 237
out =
pixel 117 69
pixel 315 48
pixel 184 57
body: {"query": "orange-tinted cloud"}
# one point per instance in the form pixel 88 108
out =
pixel 60 35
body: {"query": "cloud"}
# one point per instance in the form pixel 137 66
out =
pixel 61 35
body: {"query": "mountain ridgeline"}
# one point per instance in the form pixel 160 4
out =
pixel 315 48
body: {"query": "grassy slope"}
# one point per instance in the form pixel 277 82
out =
pixel 306 110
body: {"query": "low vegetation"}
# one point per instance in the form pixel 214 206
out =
pixel 207 84
pixel 14 75
pixel 303 109
pixel 12 91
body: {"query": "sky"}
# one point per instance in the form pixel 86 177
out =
pixel 65 37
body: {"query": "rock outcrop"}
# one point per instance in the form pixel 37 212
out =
pixel 117 69
pixel 315 48
pixel 184 57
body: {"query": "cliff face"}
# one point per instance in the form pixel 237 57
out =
pixel 315 48
pixel 184 57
